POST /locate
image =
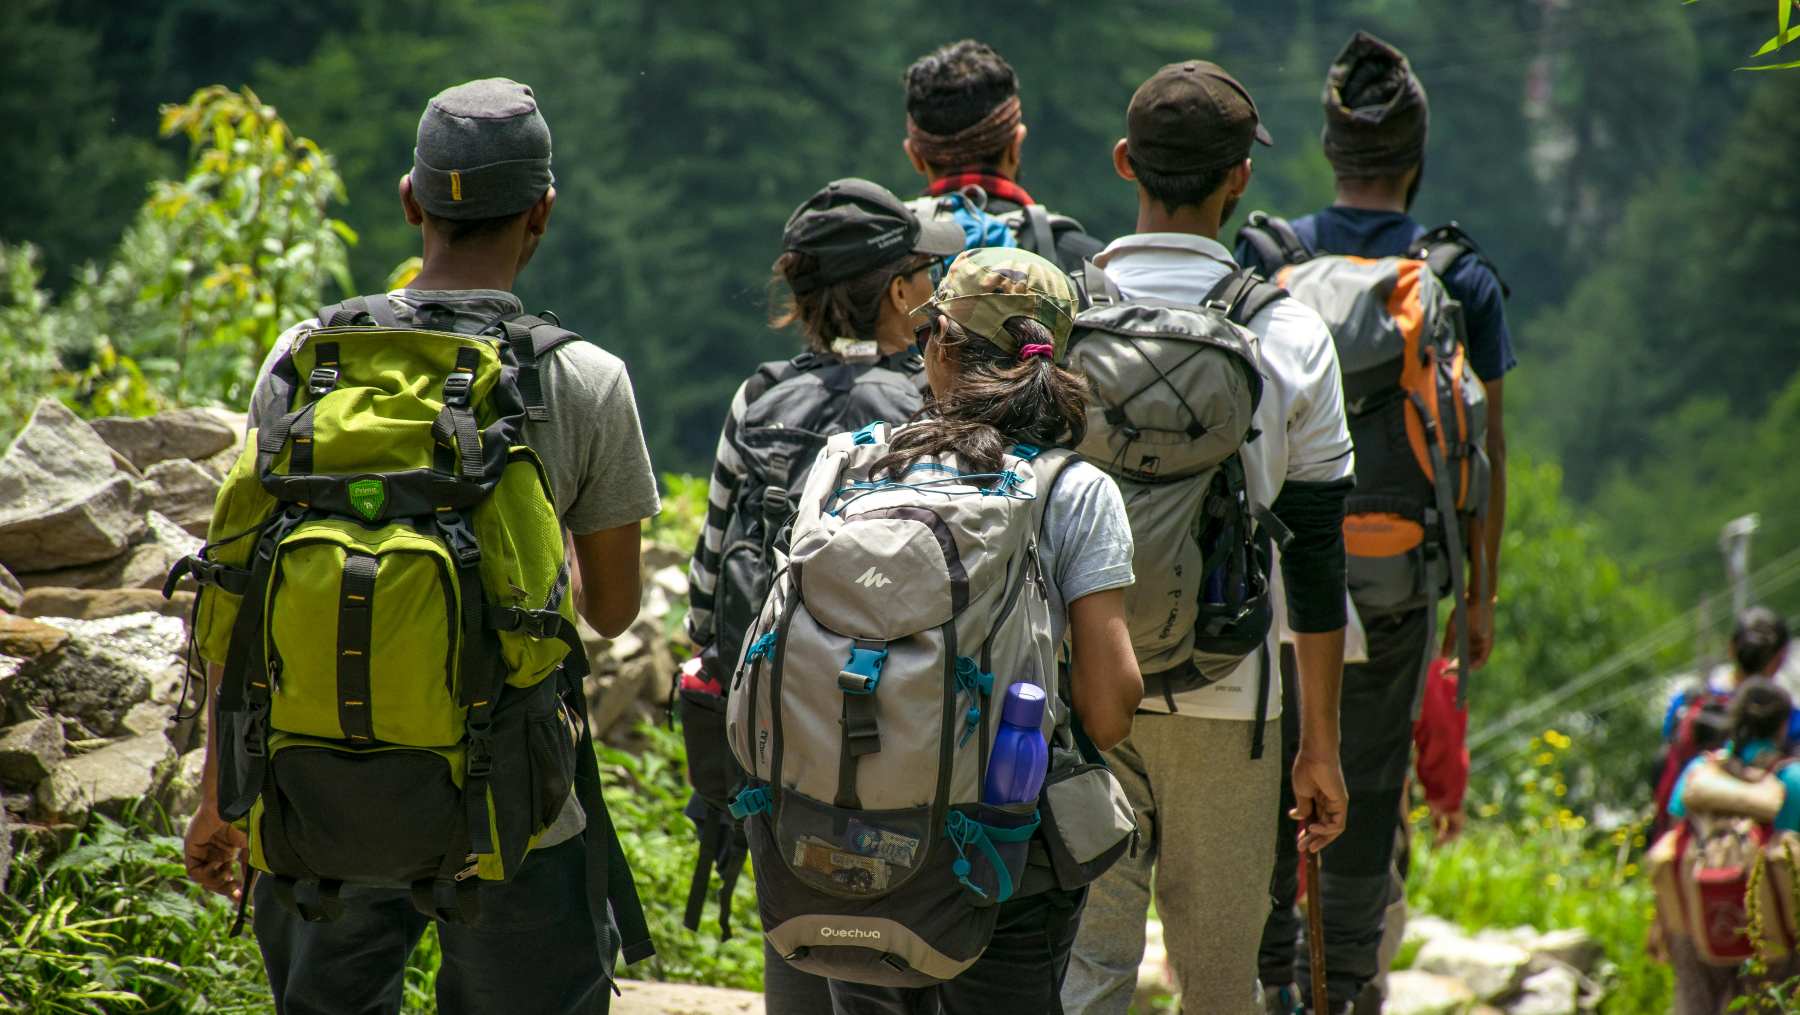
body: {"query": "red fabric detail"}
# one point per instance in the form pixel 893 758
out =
pixel 1037 349
pixel 1442 738
pixel 1682 750
pixel 988 180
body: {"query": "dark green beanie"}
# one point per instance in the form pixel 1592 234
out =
pixel 1376 114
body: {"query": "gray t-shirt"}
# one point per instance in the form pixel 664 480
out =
pixel 1087 539
pixel 592 446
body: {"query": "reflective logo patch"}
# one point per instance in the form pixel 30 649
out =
pixel 368 496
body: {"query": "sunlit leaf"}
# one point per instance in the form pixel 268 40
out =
pixel 1777 42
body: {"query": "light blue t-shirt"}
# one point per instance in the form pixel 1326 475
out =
pixel 1786 820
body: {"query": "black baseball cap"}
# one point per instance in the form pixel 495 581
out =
pixel 1191 117
pixel 853 226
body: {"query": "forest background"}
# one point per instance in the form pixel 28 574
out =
pixel 1637 192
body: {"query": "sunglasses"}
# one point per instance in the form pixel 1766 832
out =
pixel 922 334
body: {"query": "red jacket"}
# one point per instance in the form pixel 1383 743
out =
pixel 1441 736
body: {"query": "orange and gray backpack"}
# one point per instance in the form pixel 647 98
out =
pixel 1417 414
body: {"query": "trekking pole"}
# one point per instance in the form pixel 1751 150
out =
pixel 1315 930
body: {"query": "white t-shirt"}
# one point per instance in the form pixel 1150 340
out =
pixel 1301 416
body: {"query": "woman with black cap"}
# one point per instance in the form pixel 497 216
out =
pixel 854 262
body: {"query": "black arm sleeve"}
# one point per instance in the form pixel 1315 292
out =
pixel 1312 566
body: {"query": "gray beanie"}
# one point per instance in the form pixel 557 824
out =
pixel 483 151
pixel 1376 113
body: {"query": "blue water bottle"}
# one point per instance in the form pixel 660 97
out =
pixel 1015 771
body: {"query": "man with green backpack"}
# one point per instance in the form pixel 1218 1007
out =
pixel 397 732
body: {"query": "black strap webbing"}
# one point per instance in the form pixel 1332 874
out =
pixel 531 386
pixel 1041 240
pixel 1453 545
pixel 381 311
pixel 1262 702
pixel 612 895
pixel 714 826
pixel 355 633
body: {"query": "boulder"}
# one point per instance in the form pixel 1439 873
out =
pixel 30 751
pixel 107 781
pixel 1491 969
pixel 182 490
pixel 62 499
pixel 180 433
pixel 1412 992
pixel 148 717
pixel 93 604
pixel 672 580
pixel 23 638
pixel 635 666
pixel 1572 947
pixel 657 556
pixel 11 592
pixel 181 797
pixel 87 681
pixel 151 640
pixel 144 565
pixel 1554 990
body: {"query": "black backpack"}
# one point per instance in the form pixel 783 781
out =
pixel 791 408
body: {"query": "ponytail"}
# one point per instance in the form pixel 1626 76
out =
pixel 998 400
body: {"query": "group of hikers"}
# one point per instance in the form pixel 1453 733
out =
pixel 1049 577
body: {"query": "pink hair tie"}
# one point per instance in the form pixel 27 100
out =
pixel 1037 349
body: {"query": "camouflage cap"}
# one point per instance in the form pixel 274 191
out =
pixel 987 286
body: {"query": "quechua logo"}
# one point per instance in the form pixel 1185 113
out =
pixel 368 496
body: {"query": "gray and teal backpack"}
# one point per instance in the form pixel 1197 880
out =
pixel 791 408
pixel 1417 414
pixel 384 584
pixel 1174 388
pixel 1030 227
pixel 866 705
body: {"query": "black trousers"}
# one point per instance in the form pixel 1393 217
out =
pixel 1376 718
pixel 533 949
pixel 1021 971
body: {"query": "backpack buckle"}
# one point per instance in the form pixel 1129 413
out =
pixel 457 387
pixel 320 382
pixel 481 756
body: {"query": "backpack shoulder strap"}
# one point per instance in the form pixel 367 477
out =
pixel 1442 247
pixel 1273 238
pixel 530 338
pixel 1243 294
pixel 1038 238
pixel 1093 288
pixel 374 306
pixel 780 371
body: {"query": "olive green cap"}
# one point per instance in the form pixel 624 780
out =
pixel 988 286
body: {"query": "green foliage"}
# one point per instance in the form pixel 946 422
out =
pixel 645 793
pixel 1528 859
pixel 1566 607
pixel 683 512
pixel 211 271
pixel 112 925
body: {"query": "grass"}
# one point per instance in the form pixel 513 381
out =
pixel 1526 859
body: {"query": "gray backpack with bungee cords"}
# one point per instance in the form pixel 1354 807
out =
pixel 866 706
pixel 1174 391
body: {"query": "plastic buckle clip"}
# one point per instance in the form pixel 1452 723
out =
pixel 862 673
pixel 320 382
pixel 457 387
pixel 539 623
pixel 481 756
pixel 460 537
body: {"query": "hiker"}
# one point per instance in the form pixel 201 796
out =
pixel 538 939
pixel 919 812
pixel 852 293
pixel 1200 767
pixel 1696 718
pixel 1412 539
pixel 1733 807
pixel 965 135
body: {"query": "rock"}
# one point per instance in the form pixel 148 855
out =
pixel 27 639
pixel 93 604
pixel 1412 992
pixel 672 580
pixel 11 592
pixel 182 490
pixel 147 717
pixel 1572 947
pixel 1492 969
pixel 107 781
pixel 649 998
pixel 62 500
pixel 88 682
pixel 181 796
pixel 1555 990
pixel 143 565
pixel 181 433
pixel 657 556
pixel 30 751
pixel 151 640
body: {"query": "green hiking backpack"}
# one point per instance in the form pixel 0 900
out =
pixel 384 583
